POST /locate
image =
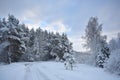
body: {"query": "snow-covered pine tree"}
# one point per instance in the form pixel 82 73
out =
pixel 60 45
pixel 56 49
pixel 28 56
pixel 15 37
pixel 48 46
pixel 11 36
pixel 26 39
pixel 103 52
pixel 66 45
pixel 37 44
pixel 3 42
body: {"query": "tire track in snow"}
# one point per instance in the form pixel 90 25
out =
pixel 51 76
pixel 27 71
pixel 42 74
pixel 33 73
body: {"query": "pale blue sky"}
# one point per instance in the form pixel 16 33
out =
pixel 69 16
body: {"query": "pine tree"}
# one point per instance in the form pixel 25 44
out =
pixel 15 36
pixel 103 53
pixel 3 42
pixel 11 39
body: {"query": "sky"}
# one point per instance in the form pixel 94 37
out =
pixel 65 16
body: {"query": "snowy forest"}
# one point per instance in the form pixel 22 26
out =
pixel 59 39
pixel 20 44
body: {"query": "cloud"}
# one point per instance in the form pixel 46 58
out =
pixel 34 25
pixel 57 26
pixel 77 43
pixel 112 34
pixel 69 16
pixel 109 15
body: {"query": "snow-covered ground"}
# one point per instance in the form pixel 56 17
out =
pixel 52 71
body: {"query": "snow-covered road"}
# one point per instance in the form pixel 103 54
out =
pixel 52 71
pixel 34 73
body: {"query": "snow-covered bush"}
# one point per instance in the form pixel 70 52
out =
pixel 113 63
